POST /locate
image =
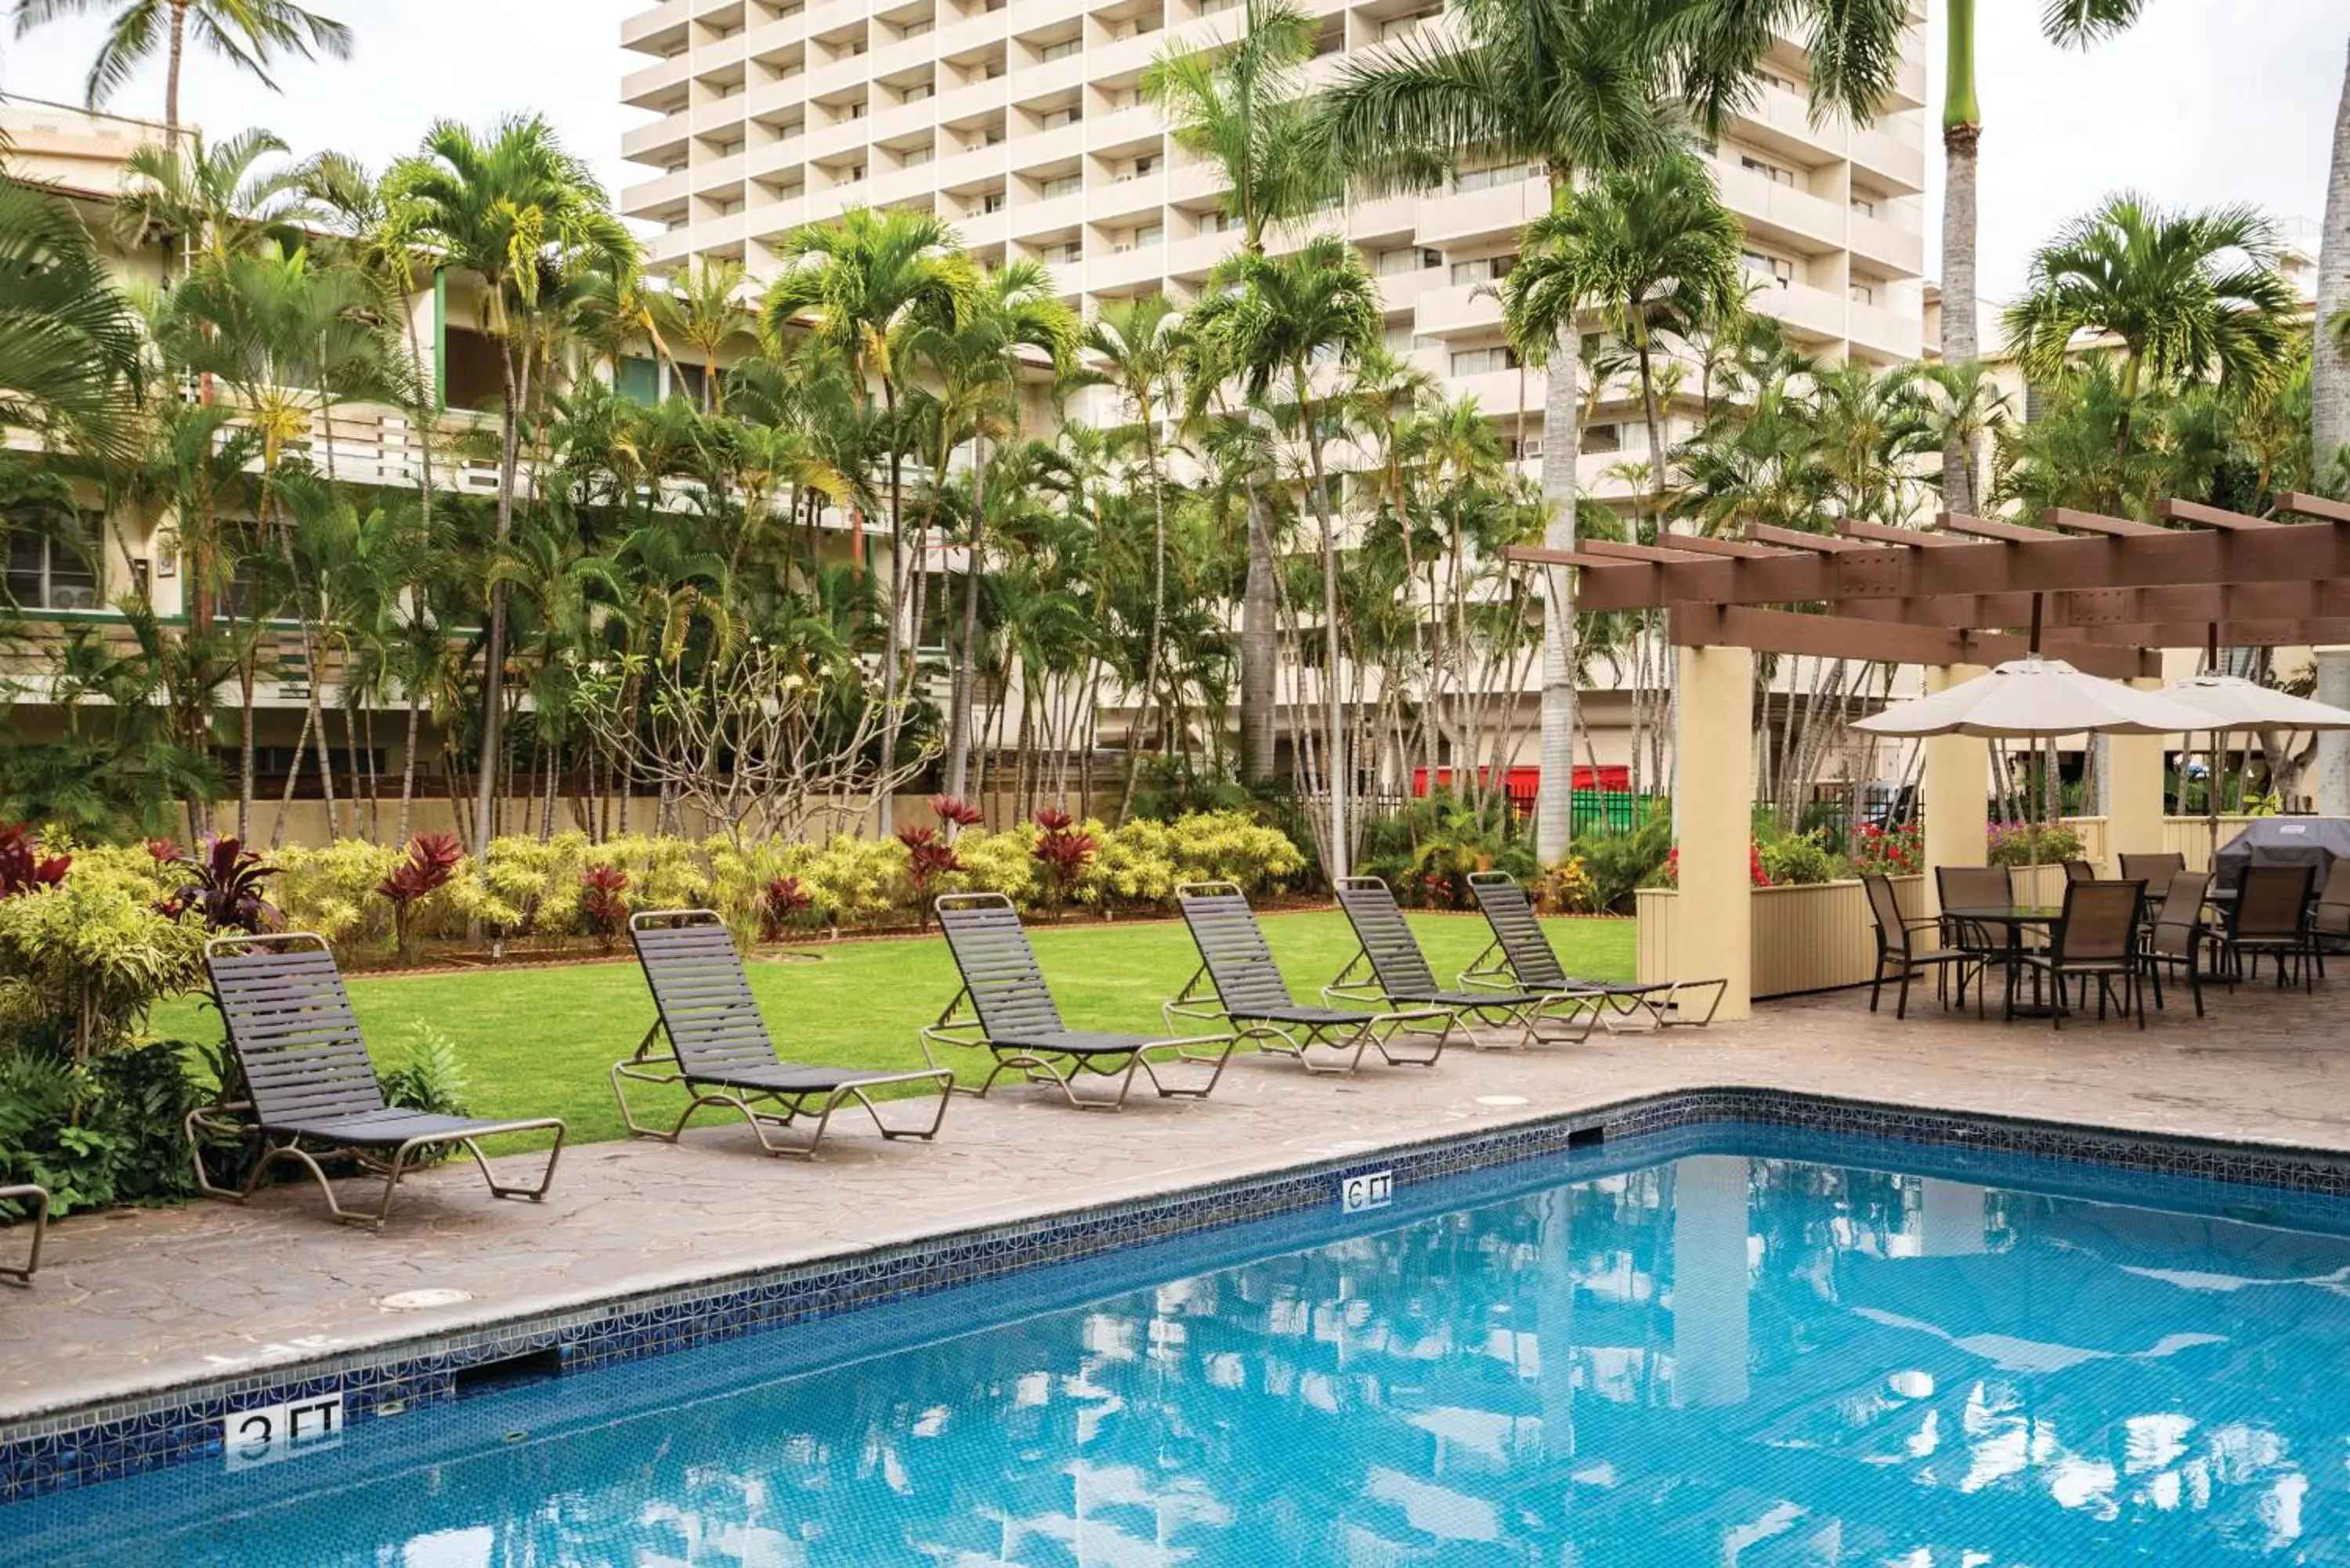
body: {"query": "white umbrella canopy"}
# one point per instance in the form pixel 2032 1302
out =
pixel 2026 698
pixel 2233 702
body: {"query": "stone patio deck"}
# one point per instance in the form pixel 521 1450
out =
pixel 135 1300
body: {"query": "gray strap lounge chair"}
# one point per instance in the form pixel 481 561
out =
pixel 719 1049
pixel 1005 1009
pixel 1239 983
pixel 1389 967
pixel 309 1084
pixel 1519 956
pixel 36 1202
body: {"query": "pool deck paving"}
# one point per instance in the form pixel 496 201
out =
pixel 133 1301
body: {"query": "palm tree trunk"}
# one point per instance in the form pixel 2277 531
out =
pixel 1158 617
pixel 495 655
pixel 1260 645
pixel 1962 132
pixel 408 762
pixel 178 51
pixel 966 670
pixel 293 771
pixel 1561 440
pixel 1336 862
pixel 894 639
pixel 2329 375
pixel 244 681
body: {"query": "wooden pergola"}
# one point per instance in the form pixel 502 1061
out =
pixel 2107 594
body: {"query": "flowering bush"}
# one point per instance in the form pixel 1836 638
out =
pixel 1797 860
pixel 1896 851
pixel 1567 888
pixel 2022 843
pixel 1669 874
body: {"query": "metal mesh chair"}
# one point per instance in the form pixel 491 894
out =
pixel 1238 983
pixel 2177 936
pixel 1006 1008
pixel 36 1201
pixel 2079 871
pixel 2329 923
pixel 2095 941
pixel 1975 887
pixel 1388 966
pixel 1897 946
pixel 308 1083
pixel 1519 956
pixel 720 1050
pixel 2155 870
pixel 2270 916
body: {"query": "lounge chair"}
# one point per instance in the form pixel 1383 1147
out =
pixel 1005 1009
pixel 1388 967
pixel 1238 983
pixel 719 1049
pixel 1519 956
pixel 37 1199
pixel 308 1082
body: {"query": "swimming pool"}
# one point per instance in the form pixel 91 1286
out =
pixel 1713 1346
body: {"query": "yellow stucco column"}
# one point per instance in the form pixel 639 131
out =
pixel 1713 801
pixel 2134 792
pixel 1958 777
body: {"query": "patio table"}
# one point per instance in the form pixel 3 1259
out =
pixel 2015 920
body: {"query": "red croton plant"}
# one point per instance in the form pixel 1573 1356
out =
pixel 1065 849
pixel 604 901
pixel 431 860
pixel 22 867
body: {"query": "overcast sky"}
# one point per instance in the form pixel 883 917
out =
pixel 2198 104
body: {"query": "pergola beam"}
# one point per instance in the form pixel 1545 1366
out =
pixel 2325 599
pixel 1833 636
pixel 2193 558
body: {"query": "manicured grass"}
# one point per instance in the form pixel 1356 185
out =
pixel 539 1041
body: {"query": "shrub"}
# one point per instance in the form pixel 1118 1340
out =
pixel 223 887
pixel 927 858
pixel 1064 849
pixel 104 1133
pixel 1001 863
pixel 1670 874
pixel 1567 888
pixel 22 867
pixel 431 1079
pixel 604 903
pixel 83 961
pixel 1896 851
pixel 954 814
pixel 1620 862
pixel 1799 860
pixel 781 907
pixel 431 860
pixel 2022 843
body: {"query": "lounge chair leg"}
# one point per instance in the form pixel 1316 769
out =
pixel 40 1199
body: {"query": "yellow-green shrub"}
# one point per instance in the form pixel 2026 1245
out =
pixel 332 891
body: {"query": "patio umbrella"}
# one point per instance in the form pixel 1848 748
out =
pixel 2035 699
pixel 2231 702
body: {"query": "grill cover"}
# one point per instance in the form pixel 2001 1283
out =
pixel 2316 841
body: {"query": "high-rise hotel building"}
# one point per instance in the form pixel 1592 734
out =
pixel 1021 122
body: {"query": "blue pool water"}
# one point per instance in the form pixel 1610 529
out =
pixel 1733 1346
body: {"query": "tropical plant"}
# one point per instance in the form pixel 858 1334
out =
pixel 226 886
pixel 1064 850
pixel 431 860
pixel 604 904
pixel 249 34
pixel 22 867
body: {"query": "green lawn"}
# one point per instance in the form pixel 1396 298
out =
pixel 538 1040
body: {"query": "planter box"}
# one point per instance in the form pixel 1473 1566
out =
pixel 1805 938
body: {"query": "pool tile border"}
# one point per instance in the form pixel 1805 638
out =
pixel 101 1442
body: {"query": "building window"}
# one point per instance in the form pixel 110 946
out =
pixel 1863 204
pixel 916 29
pixel 1775 269
pixel 1063 254
pixel 1054 119
pixel 1058 51
pixel 916 93
pixel 58 573
pixel 914 157
pixel 1486 179
pixel 1482 361
pixel 1772 171
pixel 1406 259
pixel 993 201
pixel 1484 269
pixel 1603 438
pixel 1862 293
pixel 1065 185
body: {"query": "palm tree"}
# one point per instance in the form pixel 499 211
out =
pixel 1274 319
pixel 705 310
pixel 1577 88
pixel 1139 342
pixel 523 216
pixel 1965 405
pixel 2330 370
pixel 1654 250
pixel 1242 106
pixel 69 347
pixel 245 33
pixel 861 286
pixel 2189 297
pixel 2075 23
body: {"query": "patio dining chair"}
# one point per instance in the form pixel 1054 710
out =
pixel 1238 983
pixel 2093 941
pixel 2178 937
pixel 2270 918
pixel 2329 922
pixel 1520 958
pixel 2079 871
pixel 1898 951
pixel 2155 870
pixel 719 1050
pixel 309 1085
pixel 1975 887
pixel 36 1201
pixel 1005 1009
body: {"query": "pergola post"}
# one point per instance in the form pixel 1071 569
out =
pixel 2333 745
pixel 1958 775
pixel 2133 775
pixel 1713 803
